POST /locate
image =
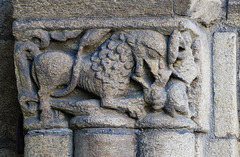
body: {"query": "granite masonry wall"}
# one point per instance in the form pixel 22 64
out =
pixel 190 109
pixel 10 114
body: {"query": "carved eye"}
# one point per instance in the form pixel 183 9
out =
pixel 153 53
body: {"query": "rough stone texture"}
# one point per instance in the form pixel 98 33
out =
pixel 179 100
pixel 186 70
pixel 183 7
pixel 238 148
pixel 224 74
pixel 203 99
pixel 200 141
pixel 118 8
pixel 233 13
pixel 131 76
pixel 165 26
pixel 5 152
pixel 222 148
pixel 5 18
pixel 166 143
pixel 95 8
pixel 9 108
pixel 8 99
pixel 206 11
pixel 105 142
pixel 49 143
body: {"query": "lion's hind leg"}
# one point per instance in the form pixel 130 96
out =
pixel 46 114
pixel 131 106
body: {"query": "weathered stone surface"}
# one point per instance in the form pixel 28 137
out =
pixel 224 74
pixel 238 148
pixel 233 13
pixel 68 69
pixel 9 108
pixel 222 147
pixel 105 142
pixel 166 143
pixel 206 11
pixel 183 7
pixel 5 19
pixel 8 88
pixel 165 26
pixel 107 120
pixel 200 142
pixel 200 94
pixel 172 91
pixel 49 143
pixel 5 152
pixel 165 94
pixel 161 121
pixel 118 73
pixel 95 8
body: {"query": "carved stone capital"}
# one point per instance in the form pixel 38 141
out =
pixel 123 73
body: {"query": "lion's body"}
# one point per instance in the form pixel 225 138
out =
pixel 105 72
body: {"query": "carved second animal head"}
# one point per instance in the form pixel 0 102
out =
pixel 150 52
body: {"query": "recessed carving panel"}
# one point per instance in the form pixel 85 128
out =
pixel 102 73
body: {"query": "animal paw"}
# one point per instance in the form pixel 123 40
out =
pixel 46 115
pixel 156 97
pixel 136 111
pixel 28 100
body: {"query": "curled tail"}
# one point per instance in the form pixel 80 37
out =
pixel 23 56
pixel 91 37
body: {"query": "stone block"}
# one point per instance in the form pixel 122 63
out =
pixel 92 142
pixel 200 141
pixel 238 147
pixel 167 143
pixel 4 152
pixel 224 74
pixel 8 93
pixel 95 8
pixel 206 11
pixel 5 17
pixel 48 143
pixel 9 108
pixel 183 7
pixel 222 148
pixel 233 13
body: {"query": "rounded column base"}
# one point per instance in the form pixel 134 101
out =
pixel 92 142
pixel 167 143
pixel 53 142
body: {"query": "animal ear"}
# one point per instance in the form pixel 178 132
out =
pixel 174 44
pixel 93 36
pixel 131 41
pixel 187 39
